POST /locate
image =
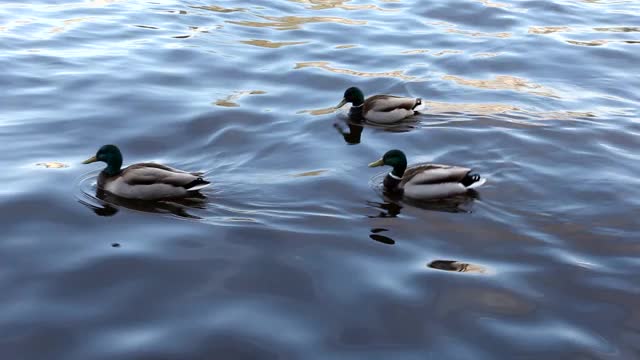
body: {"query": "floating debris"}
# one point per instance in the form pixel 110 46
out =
pixel 382 239
pixel 310 173
pixel 450 265
pixel 53 165
pixel 229 101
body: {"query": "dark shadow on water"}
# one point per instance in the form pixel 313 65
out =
pixel 375 236
pixel 387 209
pixel 109 204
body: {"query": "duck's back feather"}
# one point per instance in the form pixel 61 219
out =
pixel 386 103
pixel 389 108
pixel 151 173
pixel 424 174
pixel 433 181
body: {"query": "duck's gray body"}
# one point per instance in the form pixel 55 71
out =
pixel 431 181
pixel 150 181
pixel 386 109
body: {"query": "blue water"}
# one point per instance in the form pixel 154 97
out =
pixel 295 253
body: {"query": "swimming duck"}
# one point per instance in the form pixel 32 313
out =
pixel 382 109
pixel 426 181
pixel 144 181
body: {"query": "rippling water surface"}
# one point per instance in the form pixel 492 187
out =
pixel 295 254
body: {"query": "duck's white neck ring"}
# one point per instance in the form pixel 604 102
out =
pixel 359 106
pixel 395 177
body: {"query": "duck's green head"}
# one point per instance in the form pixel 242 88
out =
pixel 394 158
pixel 352 95
pixel 109 154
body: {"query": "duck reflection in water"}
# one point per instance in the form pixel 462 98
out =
pixel 393 203
pixel 375 236
pixel 109 204
pixel 354 123
pixel 353 136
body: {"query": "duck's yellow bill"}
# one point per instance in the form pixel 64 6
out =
pixel 344 101
pixel 90 160
pixel 377 163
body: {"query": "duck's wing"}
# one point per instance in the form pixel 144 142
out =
pixel 387 103
pixel 167 168
pixel 153 174
pixel 429 174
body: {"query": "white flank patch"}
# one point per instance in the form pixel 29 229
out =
pixel 421 107
pixel 387 117
pixel 477 183
pixel 195 188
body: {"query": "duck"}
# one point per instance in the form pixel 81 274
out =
pixel 144 181
pixel 426 181
pixel 381 109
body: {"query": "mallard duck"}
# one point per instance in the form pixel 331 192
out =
pixel 426 181
pixel 144 181
pixel 382 109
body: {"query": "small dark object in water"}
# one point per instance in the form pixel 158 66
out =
pixel 383 239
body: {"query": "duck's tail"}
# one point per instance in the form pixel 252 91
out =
pixel 472 181
pixel 197 184
pixel 418 103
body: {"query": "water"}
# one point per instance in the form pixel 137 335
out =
pixel 295 254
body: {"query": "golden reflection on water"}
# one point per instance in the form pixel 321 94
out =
pixel 272 44
pixel 565 115
pixel 605 2
pixel 544 30
pixel 453 29
pixel 447 51
pixel 53 165
pixel 416 51
pixel 436 108
pixel 345 46
pixel 622 29
pixel 399 74
pixel 15 23
pixel 504 82
pixel 502 35
pixel 541 30
pixel 600 42
pixel 486 55
pixel 229 101
pixel 294 22
pixel 316 112
pixel 219 9
pixel 67 23
pixel 478 109
pixel 489 3
pixel 338 4
pixel 310 173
